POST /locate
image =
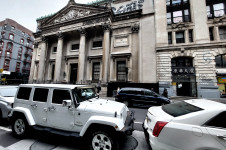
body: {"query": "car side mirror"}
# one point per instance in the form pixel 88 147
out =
pixel 66 103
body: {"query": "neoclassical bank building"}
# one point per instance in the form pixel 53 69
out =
pixel 111 43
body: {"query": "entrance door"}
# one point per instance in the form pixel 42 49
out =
pixel 183 89
pixel 73 75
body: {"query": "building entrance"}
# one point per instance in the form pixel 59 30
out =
pixel 73 75
pixel 183 89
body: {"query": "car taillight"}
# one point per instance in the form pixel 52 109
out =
pixel 158 128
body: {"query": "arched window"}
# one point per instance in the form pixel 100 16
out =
pixel 9 46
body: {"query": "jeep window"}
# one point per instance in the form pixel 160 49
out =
pixel 24 93
pixel 84 94
pixel 60 95
pixel 40 95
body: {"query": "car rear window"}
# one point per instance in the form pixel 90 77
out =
pixel 180 109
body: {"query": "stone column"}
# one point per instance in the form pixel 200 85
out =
pixel 174 38
pixel 35 71
pixel 134 73
pixel 41 68
pixel 81 60
pixel 199 18
pixel 58 58
pixel 186 36
pixel 31 77
pixel 216 33
pixel 106 52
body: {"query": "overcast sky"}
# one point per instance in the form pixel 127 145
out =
pixel 25 12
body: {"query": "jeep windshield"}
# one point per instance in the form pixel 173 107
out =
pixel 83 94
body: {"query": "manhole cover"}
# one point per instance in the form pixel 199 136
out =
pixel 129 143
pixel 41 146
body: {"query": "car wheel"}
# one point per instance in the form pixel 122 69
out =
pixel 102 140
pixel 126 102
pixel 20 127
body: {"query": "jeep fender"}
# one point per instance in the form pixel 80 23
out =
pixel 26 113
pixel 116 123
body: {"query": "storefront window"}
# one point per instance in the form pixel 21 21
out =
pixel 220 61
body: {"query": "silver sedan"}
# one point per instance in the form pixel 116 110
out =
pixel 7 94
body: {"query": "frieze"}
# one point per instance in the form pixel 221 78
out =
pixel 95 21
pixel 135 5
pixel 73 14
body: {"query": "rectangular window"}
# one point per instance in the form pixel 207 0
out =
pixel 169 37
pixel 22 41
pixel 180 37
pixel 211 33
pixel 18 65
pixel 121 71
pixel 24 93
pixel 178 11
pixel 97 44
pixel 54 49
pixel 218 61
pixel 40 95
pixel 6 63
pixel 190 32
pixel 75 47
pixel 53 71
pixel 218 10
pixel 177 16
pixel 60 95
pixel 96 71
pixel 222 32
pixel 11 36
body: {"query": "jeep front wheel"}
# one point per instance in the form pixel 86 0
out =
pixel 20 127
pixel 101 140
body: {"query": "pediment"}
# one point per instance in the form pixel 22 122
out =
pixel 73 12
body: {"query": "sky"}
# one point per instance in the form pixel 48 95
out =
pixel 25 12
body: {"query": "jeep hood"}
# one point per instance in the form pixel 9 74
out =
pixel 7 99
pixel 102 106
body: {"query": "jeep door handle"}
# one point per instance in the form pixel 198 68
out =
pixel 222 137
pixel 51 108
pixel 34 105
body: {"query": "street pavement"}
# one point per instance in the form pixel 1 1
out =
pixel 46 141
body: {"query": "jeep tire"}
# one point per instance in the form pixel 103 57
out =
pixel 20 127
pixel 102 140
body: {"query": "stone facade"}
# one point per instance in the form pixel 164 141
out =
pixel 200 45
pixel 89 44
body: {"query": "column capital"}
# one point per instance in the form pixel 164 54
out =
pixel 44 38
pixel 135 27
pixel 82 30
pixel 106 26
pixel 60 35
pixel 36 45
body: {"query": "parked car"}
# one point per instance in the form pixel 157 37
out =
pixel 197 124
pixel 7 94
pixel 130 96
pixel 80 113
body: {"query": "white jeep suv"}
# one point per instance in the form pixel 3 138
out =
pixel 71 110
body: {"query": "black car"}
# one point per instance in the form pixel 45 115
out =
pixel 130 96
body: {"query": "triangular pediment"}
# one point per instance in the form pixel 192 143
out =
pixel 73 12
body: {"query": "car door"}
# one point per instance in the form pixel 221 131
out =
pixel 217 129
pixel 59 116
pixel 38 105
pixel 149 98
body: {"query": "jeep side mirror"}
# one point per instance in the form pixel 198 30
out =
pixel 66 103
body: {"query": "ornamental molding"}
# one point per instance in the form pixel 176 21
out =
pixel 220 20
pixel 82 30
pixel 135 27
pixel 180 25
pixel 106 26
